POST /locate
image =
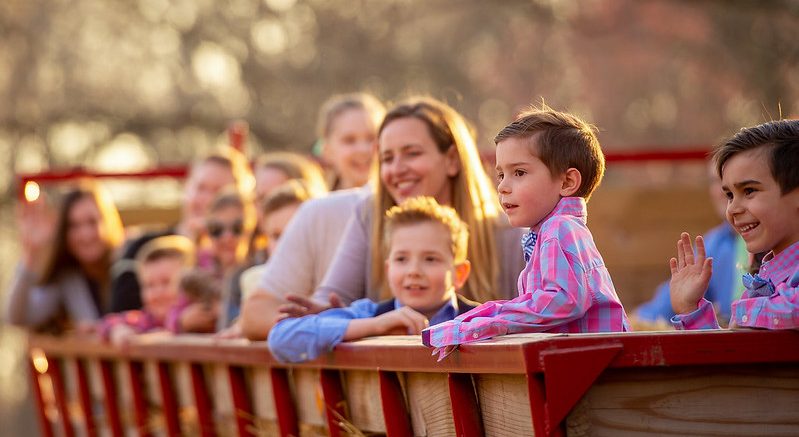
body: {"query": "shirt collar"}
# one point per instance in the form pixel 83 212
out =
pixel 448 311
pixel 778 268
pixel 571 206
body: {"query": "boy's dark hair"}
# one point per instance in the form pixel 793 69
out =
pixel 564 141
pixel 426 210
pixel 782 139
pixel 199 286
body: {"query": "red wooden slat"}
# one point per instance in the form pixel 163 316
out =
pixel 62 403
pixel 241 401
pixel 139 398
pixel 284 404
pixel 465 410
pixel 45 426
pixel 202 401
pixel 395 412
pixel 168 400
pixel 85 396
pixel 537 395
pixel 110 399
pixel 335 404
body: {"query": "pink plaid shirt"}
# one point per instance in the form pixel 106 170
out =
pixel 770 301
pixel 564 288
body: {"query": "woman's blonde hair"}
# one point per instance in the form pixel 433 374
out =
pixel 473 195
pixel 236 162
pixel 296 166
pixel 59 256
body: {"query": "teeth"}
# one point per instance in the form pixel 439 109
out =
pixel 747 228
pixel 403 185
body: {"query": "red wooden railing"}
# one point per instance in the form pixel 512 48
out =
pixel 711 382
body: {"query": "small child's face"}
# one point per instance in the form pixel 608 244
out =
pixel 766 219
pixel 420 267
pixel 275 222
pixel 159 285
pixel 350 146
pixel 527 190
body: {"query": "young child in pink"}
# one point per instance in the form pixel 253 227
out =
pixel 548 164
pixel 759 169
pixel 160 264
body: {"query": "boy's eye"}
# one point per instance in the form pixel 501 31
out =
pixel 430 259
pixel 500 176
pixel 747 191
pixel 519 173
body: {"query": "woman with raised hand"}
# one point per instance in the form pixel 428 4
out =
pixel 63 278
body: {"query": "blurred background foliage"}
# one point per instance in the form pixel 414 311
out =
pixel 124 86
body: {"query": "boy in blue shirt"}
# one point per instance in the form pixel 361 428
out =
pixel 425 267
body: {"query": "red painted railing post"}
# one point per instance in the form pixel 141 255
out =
pixel 85 395
pixel 203 403
pixel 136 369
pixel 241 401
pixel 57 379
pixel 284 404
pixel 168 400
pixel 335 404
pixel 465 410
pixel 110 398
pixel 44 423
pixel 395 411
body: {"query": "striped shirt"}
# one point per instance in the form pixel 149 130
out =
pixel 770 300
pixel 564 288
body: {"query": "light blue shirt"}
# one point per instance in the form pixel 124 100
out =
pixel 721 244
pixel 305 338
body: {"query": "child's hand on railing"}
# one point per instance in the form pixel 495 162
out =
pixel 690 274
pixel 404 320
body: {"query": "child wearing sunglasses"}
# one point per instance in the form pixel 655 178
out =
pixel 229 226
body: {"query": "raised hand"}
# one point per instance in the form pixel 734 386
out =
pixel 299 306
pixel 690 274
pixel 36 224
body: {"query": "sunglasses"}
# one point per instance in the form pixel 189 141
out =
pixel 217 229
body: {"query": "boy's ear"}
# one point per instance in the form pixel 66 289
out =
pixel 571 181
pixel 462 271
pixel 453 166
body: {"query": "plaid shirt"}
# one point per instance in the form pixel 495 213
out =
pixel 564 288
pixel 141 321
pixel 770 300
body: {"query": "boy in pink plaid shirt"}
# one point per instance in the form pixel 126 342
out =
pixel 759 169
pixel 548 164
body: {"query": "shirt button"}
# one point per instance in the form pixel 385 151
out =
pixel 475 335
pixel 745 318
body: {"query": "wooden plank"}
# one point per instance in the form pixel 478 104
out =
pixel 169 400
pixel 336 409
pixel 111 397
pixel 465 410
pixel 85 397
pixel 61 398
pixel 430 406
pixel 718 400
pixel 45 427
pixel 138 391
pixel 505 405
pixel 283 402
pixel 309 402
pixel 241 401
pixel 362 391
pixel 395 408
pixel 203 405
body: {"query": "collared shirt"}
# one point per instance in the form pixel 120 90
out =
pixel 564 288
pixel 770 300
pixel 720 244
pixel 305 338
